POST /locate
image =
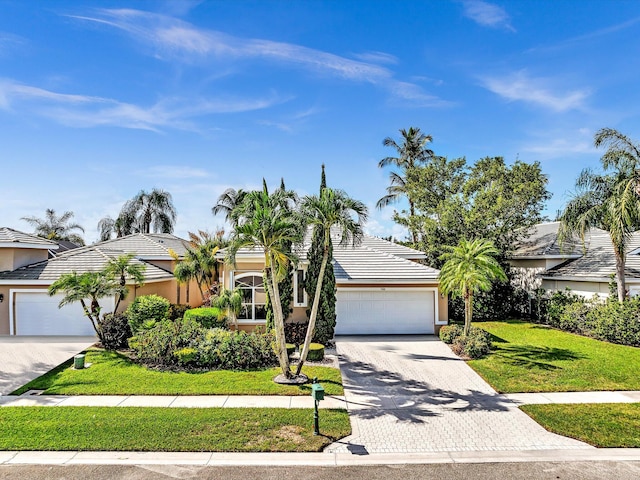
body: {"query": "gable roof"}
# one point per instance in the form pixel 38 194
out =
pixel 15 239
pixel 151 246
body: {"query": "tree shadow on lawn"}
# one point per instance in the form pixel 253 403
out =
pixel 530 356
pixel 374 392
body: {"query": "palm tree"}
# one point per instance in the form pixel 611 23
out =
pixel 88 286
pixel 470 267
pixel 56 227
pixel 123 268
pixel 411 153
pixel 231 302
pixel 144 213
pixel 228 201
pixel 200 264
pixel 608 202
pixel 264 223
pixel 332 208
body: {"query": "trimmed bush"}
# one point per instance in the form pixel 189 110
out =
pixel 146 311
pixel 115 331
pixel 615 322
pixel 236 350
pixel 449 333
pixel 207 317
pixel 290 349
pixel 316 352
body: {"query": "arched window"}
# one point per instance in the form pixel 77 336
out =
pixel 251 286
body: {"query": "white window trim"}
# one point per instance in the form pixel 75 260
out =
pixel 305 302
pixel 240 274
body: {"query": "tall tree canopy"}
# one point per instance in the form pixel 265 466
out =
pixel 54 227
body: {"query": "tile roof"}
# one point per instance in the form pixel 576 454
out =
pixel 79 260
pixel 542 240
pixel 9 235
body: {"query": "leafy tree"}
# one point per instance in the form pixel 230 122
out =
pixel 54 227
pixel 411 153
pixel 326 318
pixel 144 213
pixel 333 208
pixel 470 267
pixel 121 268
pixel 263 222
pixel 87 288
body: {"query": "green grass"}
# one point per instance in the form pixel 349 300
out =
pixel 534 358
pixel 114 374
pixel 601 425
pixel 169 429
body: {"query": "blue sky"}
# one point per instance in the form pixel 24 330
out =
pixel 101 99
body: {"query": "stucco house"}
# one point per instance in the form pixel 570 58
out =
pixel 382 287
pixel 26 271
pixel 584 269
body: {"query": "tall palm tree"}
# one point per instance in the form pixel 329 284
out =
pixel 228 201
pixel 263 223
pixel 123 268
pixel 470 267
pixel 332 208
pixel 608 202
pixel 56 227
pixel 199 264
pixel 411 152
pixel 83 287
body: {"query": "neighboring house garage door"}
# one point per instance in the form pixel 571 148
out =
pixel 391 311
pixel 36 313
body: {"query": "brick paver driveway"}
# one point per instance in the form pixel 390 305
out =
pixel 24 358
pixel 412 394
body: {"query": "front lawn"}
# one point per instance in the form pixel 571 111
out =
pixel 533 358
pixel 601 425
pixel 114 374
pixel 169 429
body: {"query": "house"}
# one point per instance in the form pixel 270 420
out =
pixel 381 288
pixel 26 271
pixel 583 268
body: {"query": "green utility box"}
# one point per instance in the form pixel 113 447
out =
pixel 317 391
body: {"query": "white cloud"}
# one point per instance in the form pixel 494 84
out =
pixel 550 145
pixel 184 42
pixel 519 86
pixel 487 14
pixel 88 111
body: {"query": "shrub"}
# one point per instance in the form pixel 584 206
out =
pixel 616 322
pixel 225 349
pixel 146 311
pixel 208 317
pixel 449 333
pixel 176 310
pixel 295 332
pixel 316 352
pixel 186 356
pixel 290 349
pixel 572 318
pixel 115 331
pixel 158 344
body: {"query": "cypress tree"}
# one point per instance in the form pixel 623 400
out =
pixel 326 321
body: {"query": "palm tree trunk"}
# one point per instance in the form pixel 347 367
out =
pixel 314 311
pixel 414 234
pixel 88 314
pixel 620 279
pixel 281 346
pixel 468 311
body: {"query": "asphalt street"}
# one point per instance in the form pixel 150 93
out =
pixel 467 471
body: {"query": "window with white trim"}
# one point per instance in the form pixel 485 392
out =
pixel 251 286
pixel 299 293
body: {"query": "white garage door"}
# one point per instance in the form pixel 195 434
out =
pixel 390 311
pixel 36 313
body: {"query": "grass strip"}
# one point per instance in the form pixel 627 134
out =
pixel 615 425
pixel 534 358
pixel 169 429
pixel 112 373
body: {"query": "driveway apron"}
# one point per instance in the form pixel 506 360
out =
pixel 411 394
pixel 24 358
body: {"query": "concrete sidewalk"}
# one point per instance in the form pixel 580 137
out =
pixel 573 397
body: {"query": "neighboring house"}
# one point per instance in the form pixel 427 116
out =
pixel 584 269
pixel 381 289
pixel 26 272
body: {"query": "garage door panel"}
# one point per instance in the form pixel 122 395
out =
pixel 376 311
pixel 36 313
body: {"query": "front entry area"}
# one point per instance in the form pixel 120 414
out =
pixel 385 310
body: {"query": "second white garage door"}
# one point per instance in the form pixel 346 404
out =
pixel 389 311
pixel 36 313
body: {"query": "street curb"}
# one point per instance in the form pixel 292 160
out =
pixel 314 459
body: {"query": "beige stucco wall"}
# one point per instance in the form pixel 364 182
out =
pixel 585 289
pixel 13 258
